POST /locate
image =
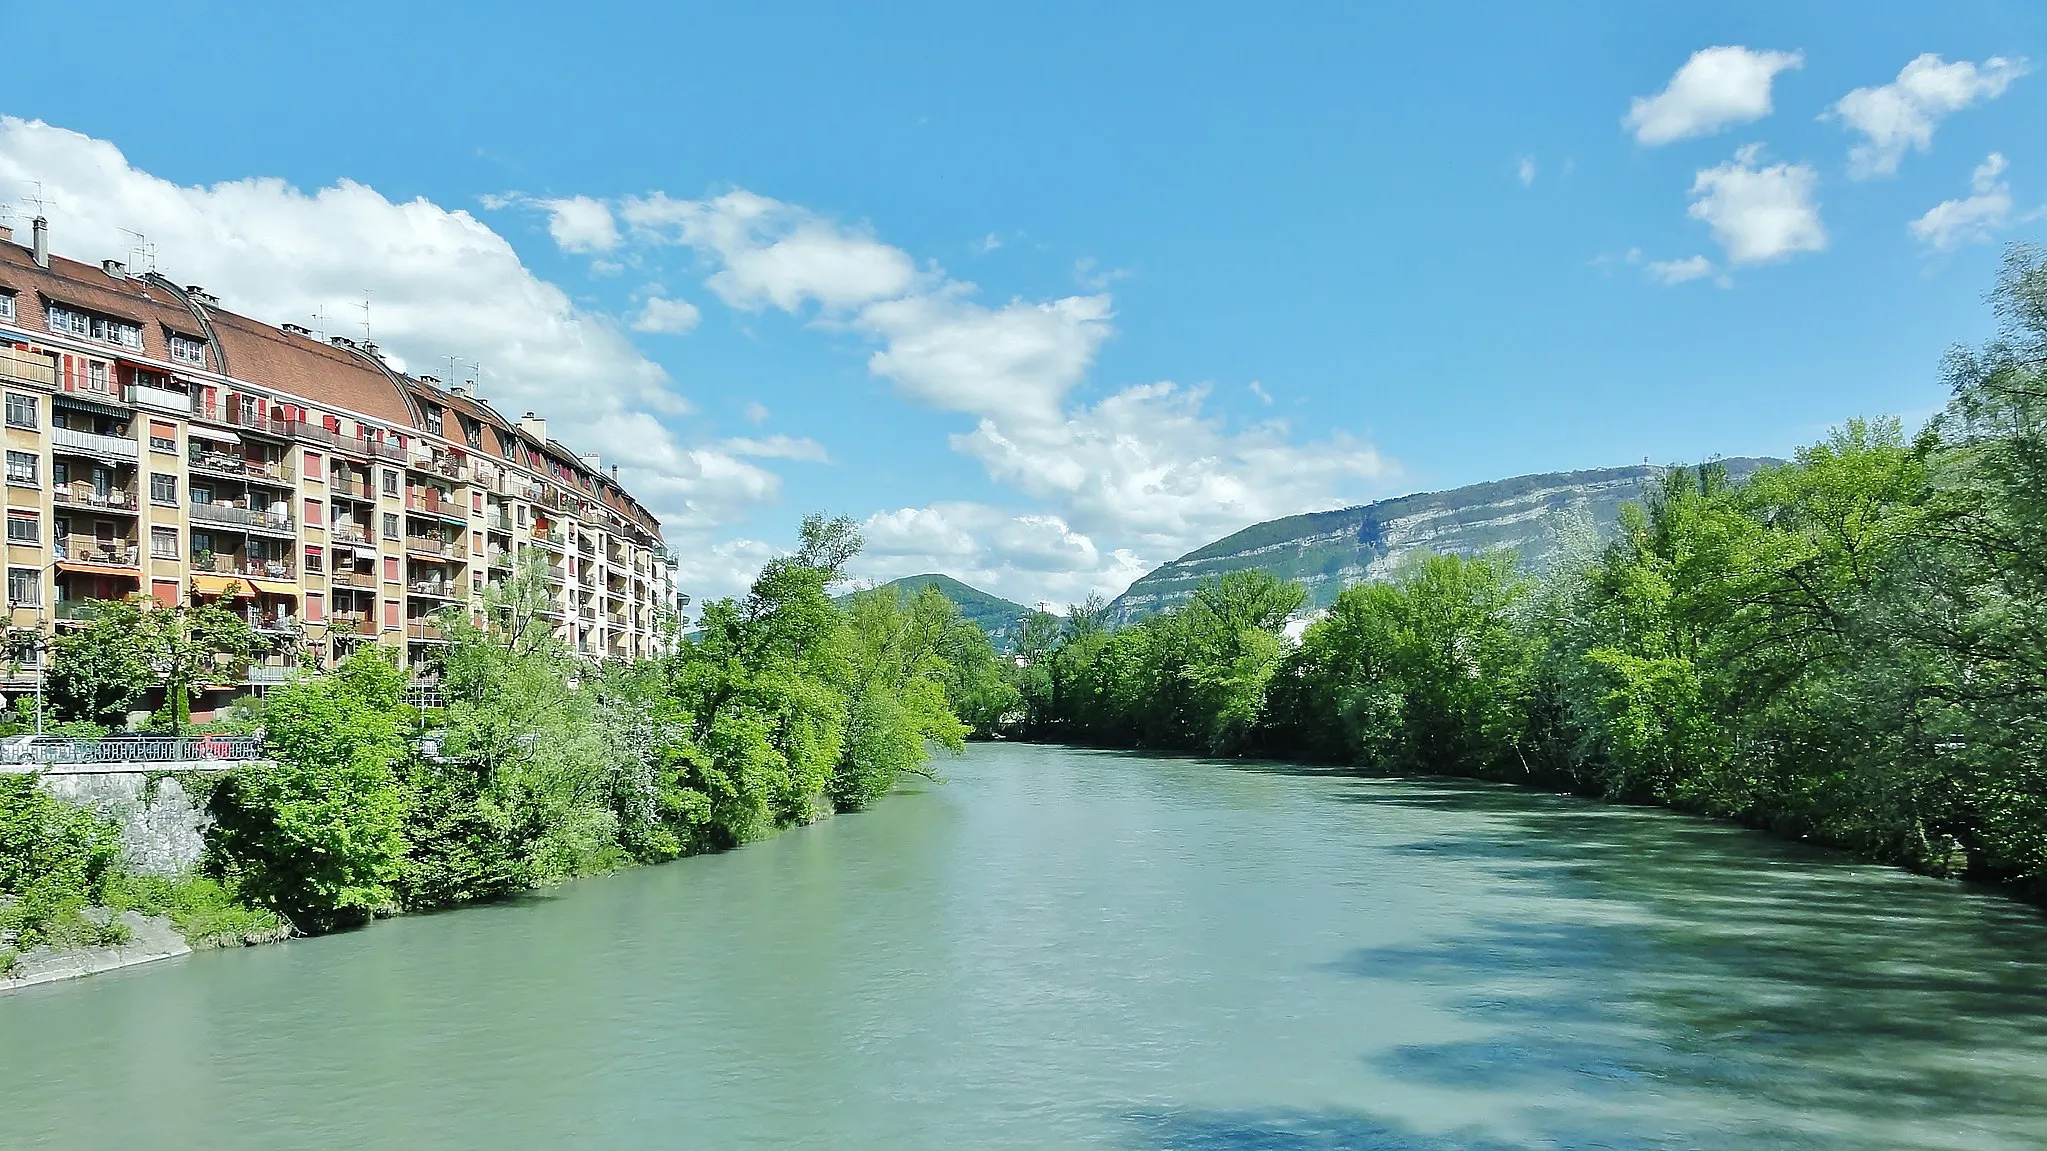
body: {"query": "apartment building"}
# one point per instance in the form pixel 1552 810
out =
pixel 158 445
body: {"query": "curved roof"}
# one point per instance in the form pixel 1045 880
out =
pixel 305 367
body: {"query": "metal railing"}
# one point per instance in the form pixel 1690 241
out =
pixel 160 399
pixel 352 578
pixel 27 368
pixel 94 444
pixel 350 487
pixel 130 749
pixel 92 550
pixel 242 517
pixel 258 567
pixel 85 496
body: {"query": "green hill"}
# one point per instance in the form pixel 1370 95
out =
pixel 991 613
pixel 1328 551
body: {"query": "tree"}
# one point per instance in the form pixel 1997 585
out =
pixel 99 671
pixel 318 836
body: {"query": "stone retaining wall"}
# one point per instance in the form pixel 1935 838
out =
pixel 163 821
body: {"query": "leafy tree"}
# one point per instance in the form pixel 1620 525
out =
pixel 98 672
pixel 319 836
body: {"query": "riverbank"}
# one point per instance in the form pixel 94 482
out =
pixel 149 939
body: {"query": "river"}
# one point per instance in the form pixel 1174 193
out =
pixel 1061 948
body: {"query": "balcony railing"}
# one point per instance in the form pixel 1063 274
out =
pixel 352 623
pixel 135 749
pixel 348 533
pixel 91 550
pixel 353 578
pixel 77 608
pixel 94 444
pixel 497 522
pixel 279 472
pixel 256 567
pixel 427 545
pixel 434 588
pixel 350 487
pixel 160 399
pixel 27 368
pixel 551 540
pixel 424 629
pixel 85 496
pixel 447 466
pixel 216 513
pixel 430 501
pixel 271 673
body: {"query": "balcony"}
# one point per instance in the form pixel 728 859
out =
pixel 255 567
pixel 85 496
pixel 348 487
pixel 497 521
pixel 432 589
pixel 424 630
pixel 551 540
pixel 270 673
pixel 344 532
pixel 498 558
pixel 93 444
pixel 276 472
pixel 433 502
pixel 446 466
pixel 160 399
pixel 356 579
pixel 352 623
pixel 77 609
pixel 230 515
pixel 91 550
pixel 429 546
pixel 28 368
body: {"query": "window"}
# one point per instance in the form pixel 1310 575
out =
pixel 315 513
pixel 6 305
pixel 390 526
pixel 163 543
pixel 163 489
pixel 186 350
pixel 21 411
pixel 107 329
pixel 316 560
pixel 245 410
pixel 202 543
pixel 313 465
pixel 390 483
pixel 96 375
pixel 522 515
pixel 433 420
pixel 473 432
pixel 23 529
pixel 390 569
pixel 22 468
pixel 168 444
pixel 201 494
pixel 24 587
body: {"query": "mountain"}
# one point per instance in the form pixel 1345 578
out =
pixel 1328 551
pixel 993 614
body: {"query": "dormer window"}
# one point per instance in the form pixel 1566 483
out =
pixel 473 432
pixel 433 420
pixel 106 329
pixel 186 350
pixel 6 305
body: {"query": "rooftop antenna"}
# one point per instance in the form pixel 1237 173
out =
pixel 142 252
pixel 365 306
pixel 319 319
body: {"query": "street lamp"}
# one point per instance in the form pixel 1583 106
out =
pixel 40 644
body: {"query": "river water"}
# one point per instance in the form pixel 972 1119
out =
pixel 1061 948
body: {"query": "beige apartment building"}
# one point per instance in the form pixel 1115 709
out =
pixel 158 445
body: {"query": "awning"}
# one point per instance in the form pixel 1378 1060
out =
pixel 104 407
pixel 98 569
pixel 276 587
pixel 220 585
pixel 218 437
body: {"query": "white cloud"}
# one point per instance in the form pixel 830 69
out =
pixel 1900 116
pixel 1258 389
pixel 675 317
pixel 756 412
pixel 1759 214
pixel 779 448
pixel 1715 89
pixel 440 283
pixel 1146 468
pixel 1975 219
pixel 776 254
pixel 581 224
pixel 1679 271
pixel 1524 171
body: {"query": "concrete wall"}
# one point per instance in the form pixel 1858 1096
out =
pixel 163 824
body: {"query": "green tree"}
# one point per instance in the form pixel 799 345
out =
pixel 318 836
pixel 98 672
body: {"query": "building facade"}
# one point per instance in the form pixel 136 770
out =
pixel 158 445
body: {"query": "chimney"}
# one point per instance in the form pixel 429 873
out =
pixel 457 390
pixel 533 426
pixel 591 461
pixel 7 232
pixel 115 269
pixel 298 329
pixel 371 349
pixel 614 473
pixel 42 242
pixel 431 381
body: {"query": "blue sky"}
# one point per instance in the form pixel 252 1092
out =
pixel 936 268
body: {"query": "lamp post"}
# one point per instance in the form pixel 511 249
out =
pixel 40 644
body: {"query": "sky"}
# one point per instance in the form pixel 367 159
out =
pixel 1047 296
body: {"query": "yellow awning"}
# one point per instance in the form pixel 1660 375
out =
pixel 276 587
pixel 97 569
pixel 220 585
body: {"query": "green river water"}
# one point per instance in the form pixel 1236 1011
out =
pixel 1060 948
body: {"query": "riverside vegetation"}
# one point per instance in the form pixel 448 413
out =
pixel 781 707
pixel 1849 648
